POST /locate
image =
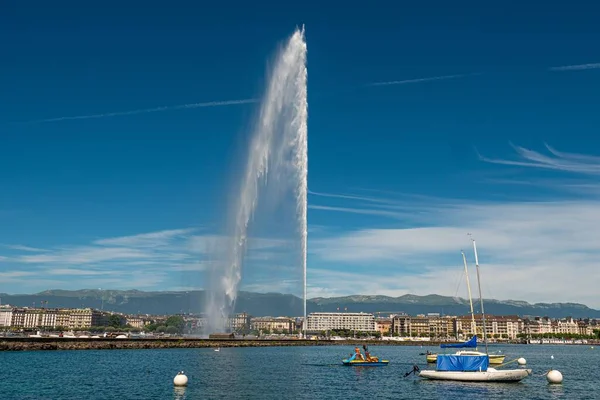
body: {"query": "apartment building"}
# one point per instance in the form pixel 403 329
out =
pixel 432 325
pixel 85 318
pixel 239 321
pixel 537 326
pixel 383 326
pixel 505 326
pixel 6 313
pixel 30 318
pixel 324 321
pixel 280 324
pixel 136 321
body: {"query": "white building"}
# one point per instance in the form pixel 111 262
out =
pixel 323 321
pixel 6 313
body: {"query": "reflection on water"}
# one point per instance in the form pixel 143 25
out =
pixel 179 393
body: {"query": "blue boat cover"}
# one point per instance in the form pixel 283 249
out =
pixel 452 362
pixel 471 343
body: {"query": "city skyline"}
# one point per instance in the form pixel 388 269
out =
pixel 118 151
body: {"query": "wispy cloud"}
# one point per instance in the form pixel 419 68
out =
pixel 221 103
pixel 419 80
pixel 349 197
pixel 158 260
pixel 578 67
pixel 530 250
pixel 557 160
pixel 535 250
pixel 83 255
pixel 22 248
pixel 364 211
pixel 152 239
pixel 150 110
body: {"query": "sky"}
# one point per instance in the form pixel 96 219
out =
pixel 123 127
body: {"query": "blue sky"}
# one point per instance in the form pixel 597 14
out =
pixel 426 121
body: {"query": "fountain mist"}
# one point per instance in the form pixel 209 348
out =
pixel 278 150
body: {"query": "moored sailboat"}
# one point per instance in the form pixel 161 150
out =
pixel 467 368
pixel 472 344
pixel 472 368
pixel 494 358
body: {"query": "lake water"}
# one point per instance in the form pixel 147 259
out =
pixel 279 373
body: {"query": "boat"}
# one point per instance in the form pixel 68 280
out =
pixel 468 367
pixel 471 368
pixel 358 360
pixel 495 359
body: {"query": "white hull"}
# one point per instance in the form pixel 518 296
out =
pixel 491 375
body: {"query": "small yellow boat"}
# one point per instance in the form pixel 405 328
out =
pixel 495 359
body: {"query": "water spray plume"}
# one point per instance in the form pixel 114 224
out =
pixel 278 146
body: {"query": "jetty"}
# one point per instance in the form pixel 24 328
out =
pixel 43 343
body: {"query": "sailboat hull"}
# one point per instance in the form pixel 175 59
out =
pixel 491 375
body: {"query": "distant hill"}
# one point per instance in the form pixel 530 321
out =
pixel 276 304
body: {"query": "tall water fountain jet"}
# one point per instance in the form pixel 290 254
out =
pixel 278 151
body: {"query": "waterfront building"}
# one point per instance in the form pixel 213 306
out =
pixel 6 315
pixel 239 321
pixel 325 321
pixel 537 326
pixel 432 325
pixel 86 318
pixel 383 326
pixel 281 324
pixel 497 326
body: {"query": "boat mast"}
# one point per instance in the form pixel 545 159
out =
pixel 480 297
pixel 473 324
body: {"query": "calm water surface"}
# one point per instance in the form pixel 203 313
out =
pixel 278 373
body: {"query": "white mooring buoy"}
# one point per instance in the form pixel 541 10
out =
pixel 554 376
pixel 180 379
pixel 522 361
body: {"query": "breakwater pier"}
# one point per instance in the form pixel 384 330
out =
pixel 32 344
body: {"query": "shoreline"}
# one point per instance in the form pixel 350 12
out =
pixel 35 344
pixel 32 344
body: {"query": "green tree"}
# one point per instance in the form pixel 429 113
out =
pixel 114 321
pixel 161 329
pixel 171 329
pixel 177 322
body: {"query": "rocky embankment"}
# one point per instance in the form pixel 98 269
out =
pixel 30 344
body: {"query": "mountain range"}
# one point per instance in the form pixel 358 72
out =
pixel 278 304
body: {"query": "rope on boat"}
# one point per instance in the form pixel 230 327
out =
pixel 532 374
pixel 509 362
pixel 544 374
pixel 414 370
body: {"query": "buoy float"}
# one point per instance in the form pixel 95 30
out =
pixel 522 361
pixel 180 379
pixel 554 376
